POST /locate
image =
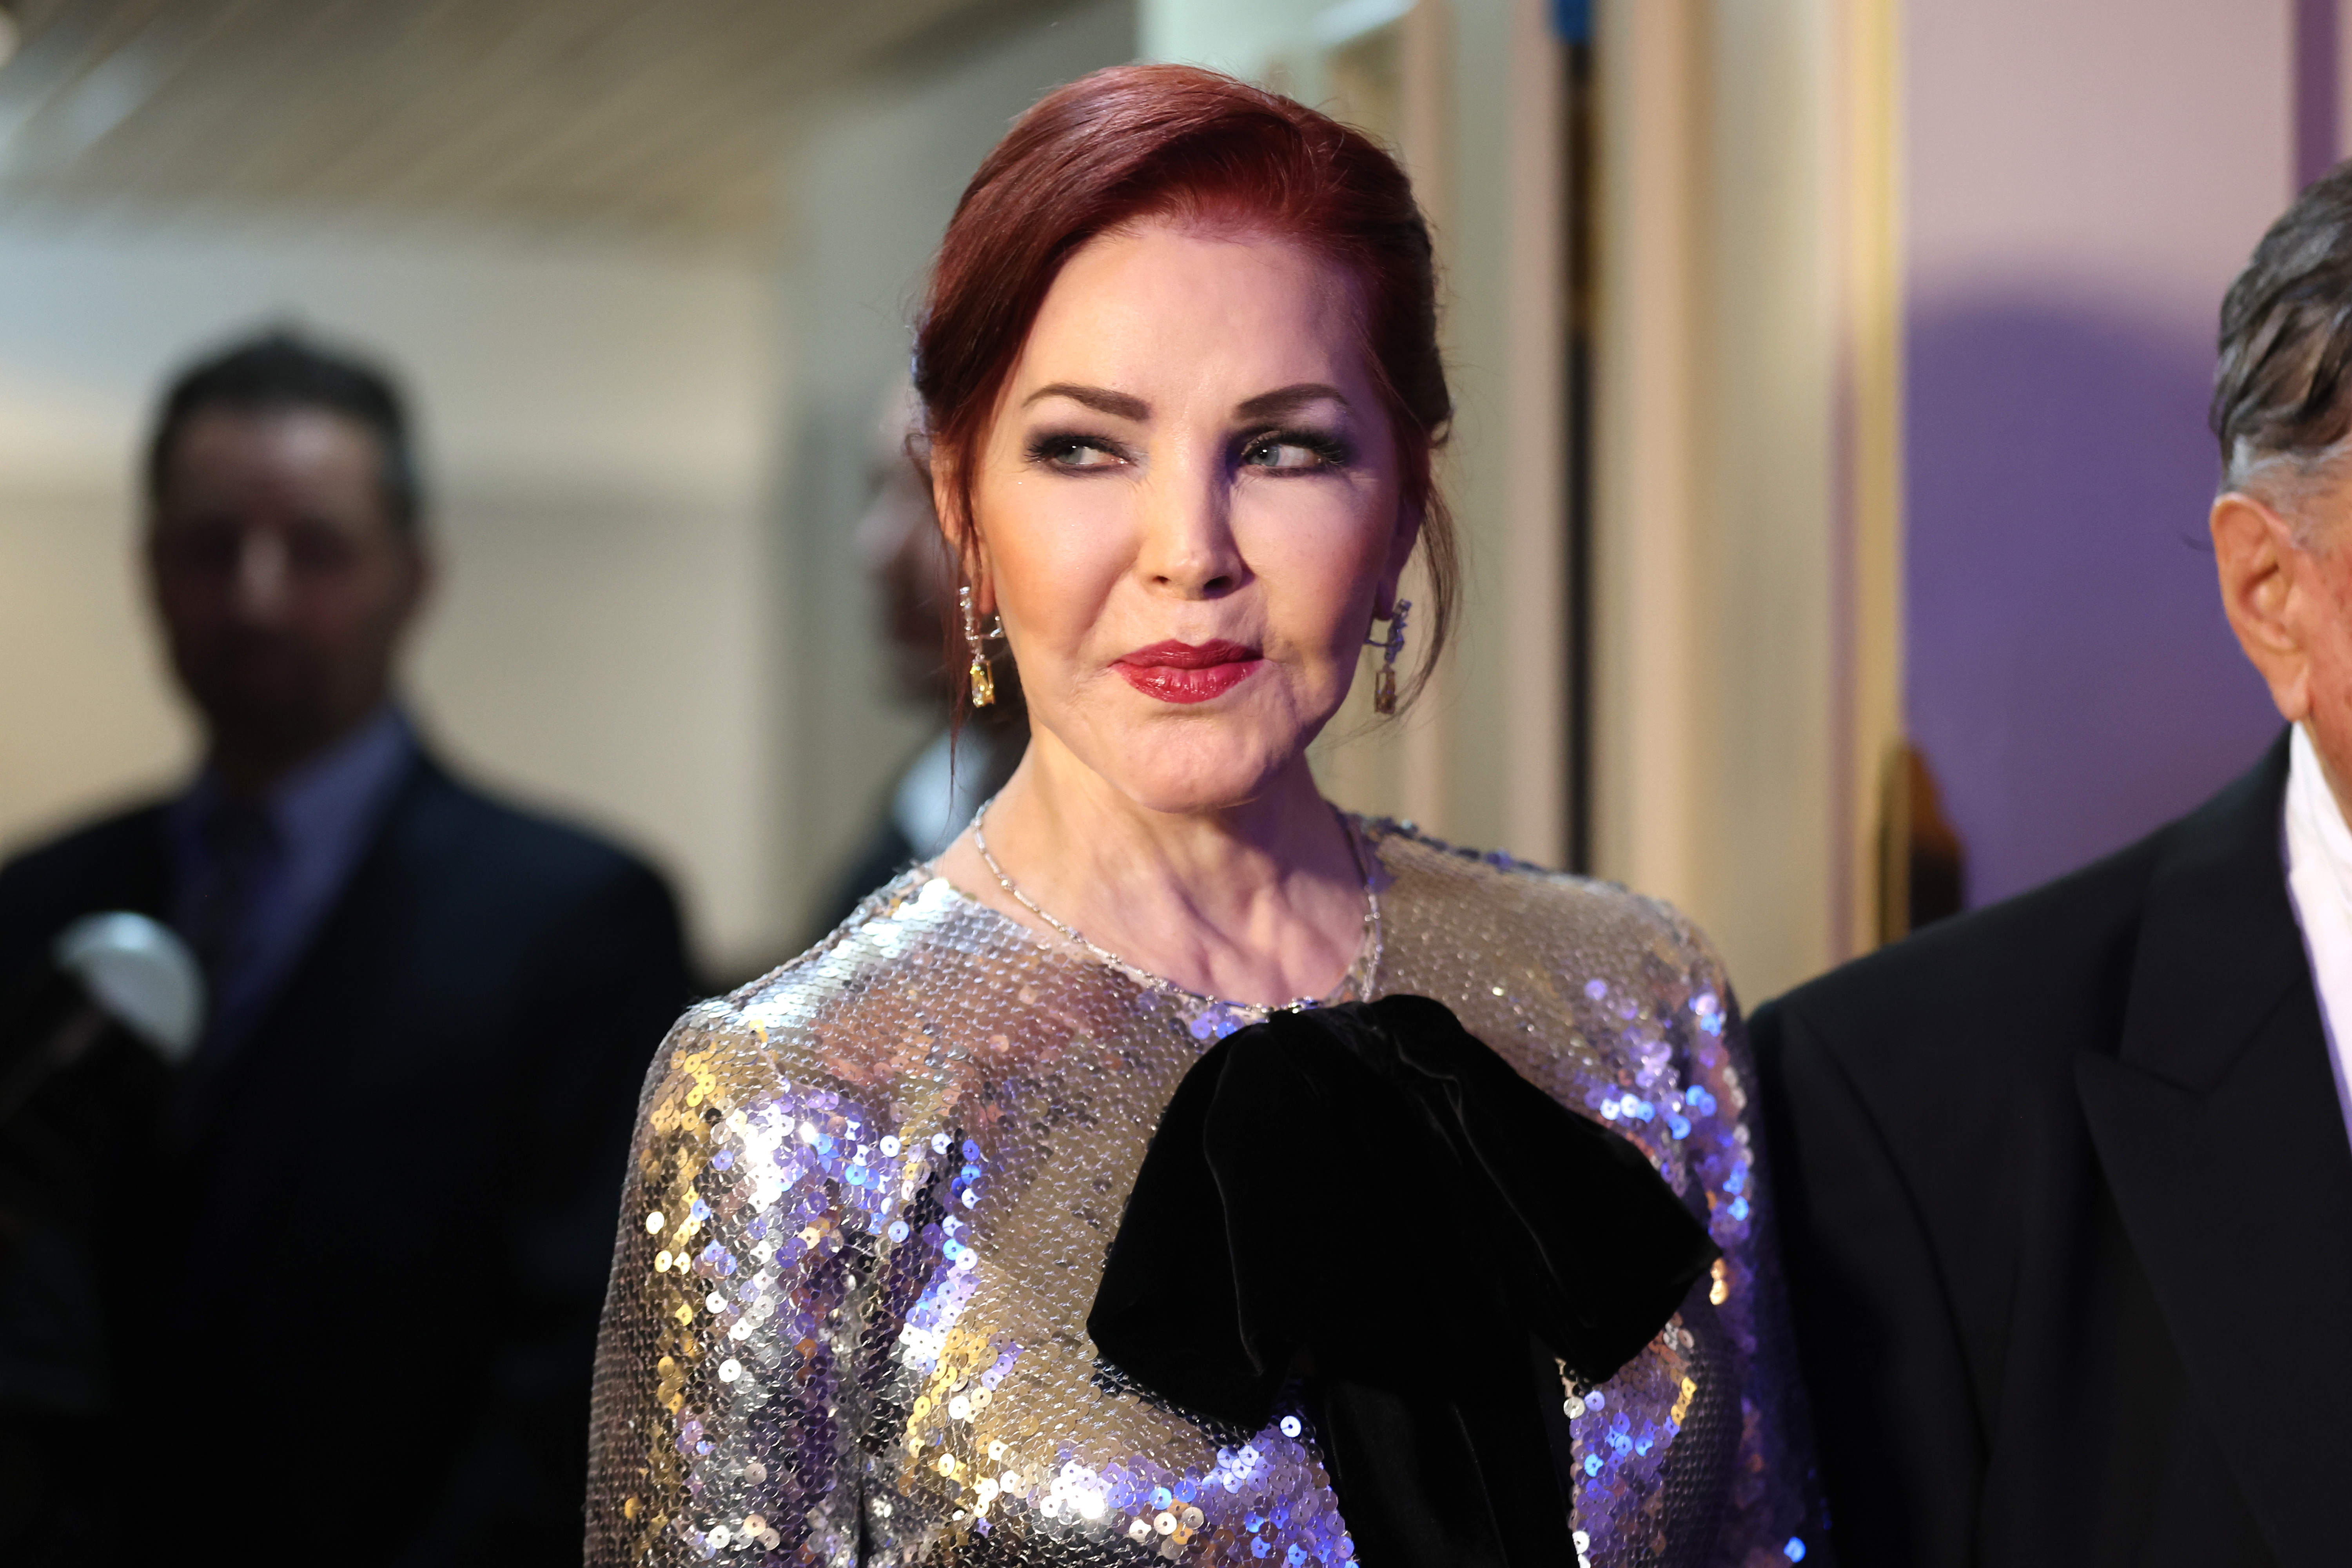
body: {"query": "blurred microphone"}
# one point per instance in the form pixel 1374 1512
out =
pixel 109 972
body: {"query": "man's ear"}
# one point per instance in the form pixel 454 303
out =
pixel 2267 591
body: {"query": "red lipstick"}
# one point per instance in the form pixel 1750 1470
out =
pixel 1188 672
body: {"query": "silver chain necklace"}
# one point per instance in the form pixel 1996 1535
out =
pixel 1358 980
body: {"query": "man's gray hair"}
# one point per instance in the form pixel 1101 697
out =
pixel 2283 390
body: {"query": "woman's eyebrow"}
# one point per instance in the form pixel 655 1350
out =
pixel 1286 400
pixel 1101 399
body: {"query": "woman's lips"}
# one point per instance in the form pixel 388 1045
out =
pixel 1188 672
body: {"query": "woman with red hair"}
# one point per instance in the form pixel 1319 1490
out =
pixel 1180 1167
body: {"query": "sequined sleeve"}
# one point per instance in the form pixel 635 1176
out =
pixel 727 1404
pixel 1772 1510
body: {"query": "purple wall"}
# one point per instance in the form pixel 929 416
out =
pixel 2069 675
pixel 2082 179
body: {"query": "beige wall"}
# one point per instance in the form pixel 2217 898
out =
pixel 1746 650
pixel 597 431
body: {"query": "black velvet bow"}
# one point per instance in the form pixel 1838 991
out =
pixel 1368 1198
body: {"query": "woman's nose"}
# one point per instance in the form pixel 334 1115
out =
pixel 1188 537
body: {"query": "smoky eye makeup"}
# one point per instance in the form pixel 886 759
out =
pixel 1073 451
pixel 1304 446
pixel 1297 448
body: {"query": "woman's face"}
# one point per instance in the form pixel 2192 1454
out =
pixel 1188 508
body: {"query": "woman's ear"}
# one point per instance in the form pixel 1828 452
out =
pixel 965 545
pixel 2269 594
pixel 1407 534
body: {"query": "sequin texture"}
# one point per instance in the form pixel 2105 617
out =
pixel 871 1195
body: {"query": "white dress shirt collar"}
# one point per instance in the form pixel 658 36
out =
pixel 2319 878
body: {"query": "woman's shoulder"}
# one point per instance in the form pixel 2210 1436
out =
pixel 1488 894
pixel 1612 1003
pixel 842 1014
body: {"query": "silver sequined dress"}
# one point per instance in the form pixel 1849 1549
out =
pixel 871 1193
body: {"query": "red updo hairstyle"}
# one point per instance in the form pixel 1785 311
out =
pixel 1173 142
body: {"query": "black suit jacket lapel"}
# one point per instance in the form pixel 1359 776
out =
pixel 2222 1136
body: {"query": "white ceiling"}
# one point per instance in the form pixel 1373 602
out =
pixel 660 116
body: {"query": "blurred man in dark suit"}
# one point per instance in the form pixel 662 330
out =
pixel 347 1275
pixel 2065 1184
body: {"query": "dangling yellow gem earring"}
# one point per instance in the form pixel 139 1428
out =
pixel 984 684
pixel 1384 682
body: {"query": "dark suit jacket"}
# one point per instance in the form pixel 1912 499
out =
pixel 2067 1201
pixel 355 1297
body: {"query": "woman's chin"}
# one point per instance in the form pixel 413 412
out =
pixel 1189 783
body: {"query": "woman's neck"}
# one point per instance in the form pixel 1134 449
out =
pixel 1261 902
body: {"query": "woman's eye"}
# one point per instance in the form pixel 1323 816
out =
pixel 1290 455
pixel 1073 452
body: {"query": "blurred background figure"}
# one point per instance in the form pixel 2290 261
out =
pixel 429 1015
pixel 913 578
